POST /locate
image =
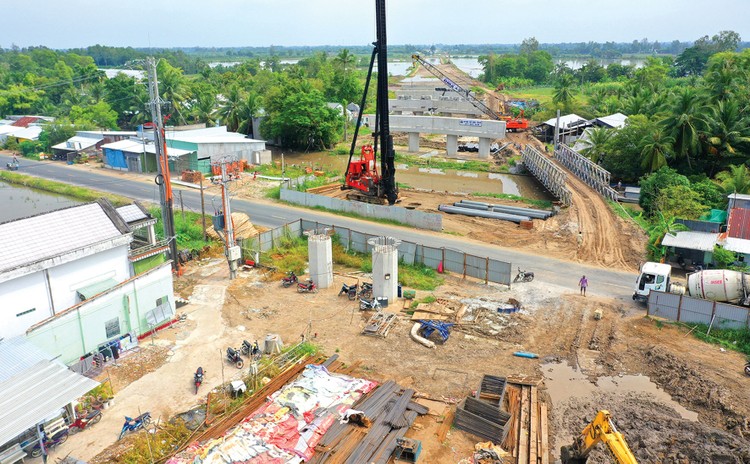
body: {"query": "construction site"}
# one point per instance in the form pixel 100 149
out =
pixel 480 369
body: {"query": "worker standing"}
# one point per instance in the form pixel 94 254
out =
pixel 583 283
pixel 579 239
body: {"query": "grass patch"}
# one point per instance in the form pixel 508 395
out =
pixel 441 163
pixel 273 193
pixel 147 447
pixel 731 339
pixel 189 231
pixel 71 191
pixel 419 276
pixel 629 214
pixel 507 196
pixel 427 299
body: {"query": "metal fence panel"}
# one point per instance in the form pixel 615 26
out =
pixel 476 267
pixel 663 305
pixel 454 261
pixel 432 256
pixel 344 235
pixel 731 317
pixel 359 241
pixel 407 252
pixel 696 311
pixel 500 272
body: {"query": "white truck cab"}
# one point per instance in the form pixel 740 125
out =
pixel 653 276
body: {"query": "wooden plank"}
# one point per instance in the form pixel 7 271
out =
pixel 523 436
pixel 534 404
pixel 544 433
pixel 442 432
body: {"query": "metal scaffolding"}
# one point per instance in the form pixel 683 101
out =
pixel 547 173
pixel 589 172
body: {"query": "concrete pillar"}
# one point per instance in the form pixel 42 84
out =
pixel 484 147
pixel 413 142
pixel 385 267
pixel 151 234
pixel 320 256
pixel 452 145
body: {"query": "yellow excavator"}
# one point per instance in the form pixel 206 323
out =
pixel 601 429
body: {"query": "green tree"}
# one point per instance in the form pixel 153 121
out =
pixel 173 88
pixel 563 94
pixel 685 118
pixel 529 45
pixel 345 60
pixel 680 201
pixel 595 146
pixel 623 159
pixel 654 183
pixel 728 129
pixel 204 109
pixel 734 180
pixel 98 114
pixel 657 148
pixel 229 110
pixel 298 116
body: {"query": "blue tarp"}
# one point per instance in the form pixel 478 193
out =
pixel 115 158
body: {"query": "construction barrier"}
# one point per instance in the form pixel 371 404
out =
pixel 691 310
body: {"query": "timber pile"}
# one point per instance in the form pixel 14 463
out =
pixel 379 324
pixel 388 412
pixel 527 436
pixel 482 415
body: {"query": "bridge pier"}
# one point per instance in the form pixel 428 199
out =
pixel 451 145
pixel 413 142
pixel 484 147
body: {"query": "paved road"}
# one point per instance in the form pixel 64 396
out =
pixel 603 282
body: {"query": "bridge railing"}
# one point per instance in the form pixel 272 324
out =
pixel 547 173
pixel 589 172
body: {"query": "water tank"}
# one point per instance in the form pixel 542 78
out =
pixel 717 285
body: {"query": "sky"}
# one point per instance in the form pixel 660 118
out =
pixel 232 23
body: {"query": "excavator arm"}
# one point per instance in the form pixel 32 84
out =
pixel 601 429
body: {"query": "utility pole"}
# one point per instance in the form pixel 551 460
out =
pixel 203 210
pixel 232 251
pixel 162 178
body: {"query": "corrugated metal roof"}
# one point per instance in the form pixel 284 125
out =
pixel 131 213
pixel 16 355
pixel 137 146
pixel 37 394
pixel 78 143
pixel 738 245
pixel 614 120
pixel 64 230
pixel 739 223
pixel 29 133
pixel 94 289
pixel 691 240
pixel 565 121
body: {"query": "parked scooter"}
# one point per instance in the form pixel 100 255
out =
pixel 307 286
pixel 289 280
pixel 131 425
pixel 365 291
pixel 369 305
pixel 198 379
pixel 12 165
pixel 49 443
pixel 349 290
pixel 523 276
pixel 84 421
pixel 747 368
pixel 233 356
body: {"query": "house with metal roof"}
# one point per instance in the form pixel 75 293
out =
pixel 137 155
pixel 571 127
pixel 35 390
pixel 212 144
pixel 84 253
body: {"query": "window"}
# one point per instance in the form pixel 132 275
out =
pixel 162 300
pixel 23 313
pixel 112 327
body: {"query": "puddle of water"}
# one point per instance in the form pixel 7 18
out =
pixel 563 383
pixel 20 202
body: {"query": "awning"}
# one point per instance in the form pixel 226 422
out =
pixel 37 394
pixel 95 289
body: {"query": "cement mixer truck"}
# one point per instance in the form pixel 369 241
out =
pixel 713 284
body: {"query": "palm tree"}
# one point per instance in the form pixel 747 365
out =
pixel 594 145
pixel 656 232
pixel 735 180
pixel 563 94
pixel 657 147
pixel 229 110
pixel 173 87
pixel 636 103
pixel 685 120
pixel 247 111
pixel 729 129
pixel 204 110
pixel 345 59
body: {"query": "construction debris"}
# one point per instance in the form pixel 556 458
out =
pixel 430 327
pixel 527 432
pixel 379 324
pixel 414 333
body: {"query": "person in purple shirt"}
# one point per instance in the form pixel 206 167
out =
pixel 583 283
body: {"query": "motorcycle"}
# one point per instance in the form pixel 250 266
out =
pixel 49 443
pixel 365 291
pixel 12 166
pixel 523 276
pixel 369 305
pixel 289 280
pixel 233 356
pixel 307 286
pixel 747 368
pixel 349 290
pixel 87 420
pixel 131 425
pixel 198 379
